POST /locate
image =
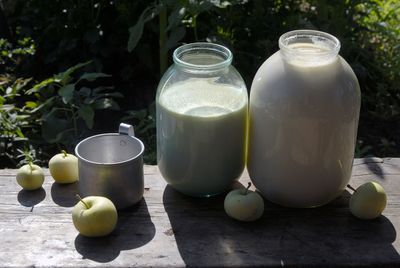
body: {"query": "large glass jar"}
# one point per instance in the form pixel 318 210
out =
pixel 304 109
pixel 201 108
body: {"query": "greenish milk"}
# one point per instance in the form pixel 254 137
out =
pixel 201 136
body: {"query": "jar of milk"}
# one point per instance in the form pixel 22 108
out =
pixel 304 109
pixel 201 108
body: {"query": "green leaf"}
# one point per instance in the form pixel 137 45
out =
pixel 31 104
pixel 139 114
pixel 105 103
pixel 65 77
pixel 175 18
pixel 20 83
pixel 85 91
pixel 54 127
pixel 49 100
pixel 97 90
pixel 41 85
pixel 19 133
pixel 67 93
pixel 87 114
pixel 135 33
pixel 89 100
pixel 93 76
pixel 176 35
pixel 114 95
pixel 7 107
pixel 152 109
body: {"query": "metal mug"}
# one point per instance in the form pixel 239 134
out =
pixel 111 165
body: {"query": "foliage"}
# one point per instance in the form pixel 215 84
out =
pixel 67 106
pixel 11 56
pixel 14 121
pixel 144 122
pixel 172 28
pixel 382 38
pixel 66 32
pixel 59 110
pixel 133 41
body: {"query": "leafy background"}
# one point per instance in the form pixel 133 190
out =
pixel 74 68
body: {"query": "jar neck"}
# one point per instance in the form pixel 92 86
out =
pixel 202 57
pixel 309 47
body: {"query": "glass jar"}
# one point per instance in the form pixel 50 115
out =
pixel 304 110
pixel 201 110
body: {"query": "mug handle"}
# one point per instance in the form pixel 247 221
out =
pixel 126 129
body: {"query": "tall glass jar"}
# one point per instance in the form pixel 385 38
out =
pixel 304 109
pixel 201 108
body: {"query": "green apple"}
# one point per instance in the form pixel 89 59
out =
pixel 63 167
pixel 30 176
pixel 244 205
pixel 94 216
pixel 368 201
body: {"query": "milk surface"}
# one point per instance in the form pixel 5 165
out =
pixel 201 136
pixel 303 128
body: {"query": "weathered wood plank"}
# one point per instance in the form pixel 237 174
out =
pixel 169 229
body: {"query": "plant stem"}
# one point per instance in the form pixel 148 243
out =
pixel 64 152
pixel 163 38
pixel 74 121
pixel 80 199
pixel 194 23
pixel 351 187
pixel 247 189
pixel 30 165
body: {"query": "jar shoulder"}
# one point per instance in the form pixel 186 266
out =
pixel 280 78
pixel 174 75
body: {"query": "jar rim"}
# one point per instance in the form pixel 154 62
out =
pixel 330 42
pixel 199 48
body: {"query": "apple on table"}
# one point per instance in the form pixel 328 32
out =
pixel 94 216
pixel 368 200
pixel 30 176
pixel 63 167
pixel 244 204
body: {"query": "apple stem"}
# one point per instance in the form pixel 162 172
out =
pixel 64 152
pixel 80 199
pixel 351 187
pixel 247 189
pixel 30 165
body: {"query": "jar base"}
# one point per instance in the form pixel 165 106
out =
pixel 297 205
pixel 197 195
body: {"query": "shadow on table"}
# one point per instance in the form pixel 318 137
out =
pixel 329 235
pixel 134 229
pixel 31 198
pixel 375 166
pixel 64 194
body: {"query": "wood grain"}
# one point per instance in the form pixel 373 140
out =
pixel 170 229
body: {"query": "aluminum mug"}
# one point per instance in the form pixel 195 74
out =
pixel 111 165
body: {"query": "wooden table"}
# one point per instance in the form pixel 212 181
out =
pixel 169 229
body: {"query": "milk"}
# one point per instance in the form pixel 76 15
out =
pixel 201 135
pixel 303 128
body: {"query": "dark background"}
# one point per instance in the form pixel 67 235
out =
pixel 45 108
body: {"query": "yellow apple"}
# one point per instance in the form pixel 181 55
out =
pixel 63 167
pixel 94 216
pixel 30 176
pixel 244 205
pixel 368 201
